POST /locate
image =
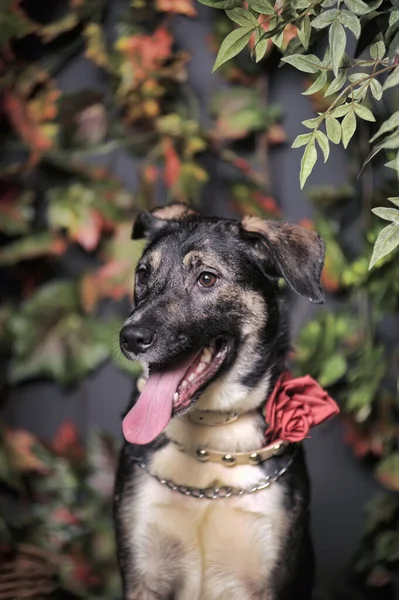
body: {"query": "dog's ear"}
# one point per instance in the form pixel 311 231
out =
pixel 288 251
pixel 148 224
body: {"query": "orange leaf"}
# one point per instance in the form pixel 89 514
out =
pixel 276 135
pixel 110 281
pixel 88 235
pixel 20 444
pixel 182 7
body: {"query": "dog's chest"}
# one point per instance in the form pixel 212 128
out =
pixel 226 546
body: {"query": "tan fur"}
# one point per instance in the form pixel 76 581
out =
pixel 205 259
pixel 284 233
pixel 255 225
pixel 229 548
pixel 155 258
pixel 174 211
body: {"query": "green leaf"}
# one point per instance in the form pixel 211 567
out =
pixel 333 128
pixel 232 45
pixel 387 473
pixel 348 128
pixel 317 85
pixel 13 24
pixel 300 4
pixel 222 4
pixel 391 165
pixel 301 140
pixel 377 50
pixel 387 125
pixel 355 77
pixel 260 45
pixel 328 3
pixel 337 84
pixel 387 241
pixel 311 123
pixel 242 17
pixel 323 143
pixel 364 113
pixel 394 15
pixel 325 19
pixel 278 40
pixel 388 214
pixel 262 7
pixel 341 110
pixel 351 22
pixel 308 63
pixel 394 201
pixel 393 48
pixel 391 142
pixel 30 247
pixel 337 38
pixel 304 32
pixel 358 7
pixel 392 80
pixel 333 370
pixel 308 161
pixel 376 89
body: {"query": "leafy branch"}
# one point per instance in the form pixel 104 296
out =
pixel 262 24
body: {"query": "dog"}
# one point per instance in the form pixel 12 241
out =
pixel 198 515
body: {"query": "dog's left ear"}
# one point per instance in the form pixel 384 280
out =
pixel 288 251
pixel 148 224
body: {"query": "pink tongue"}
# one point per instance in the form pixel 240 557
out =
pixel 153 410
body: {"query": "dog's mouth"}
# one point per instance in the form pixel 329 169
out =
pixel 170 391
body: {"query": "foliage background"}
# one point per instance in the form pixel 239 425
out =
pixel 66 263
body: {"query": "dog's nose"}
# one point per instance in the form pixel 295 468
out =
pixel 136 339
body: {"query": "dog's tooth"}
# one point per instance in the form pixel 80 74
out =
pixel 141 384
pixel 206 356
pixel 176 397
pixel 201 367
pixel 192 377
pixel 184 384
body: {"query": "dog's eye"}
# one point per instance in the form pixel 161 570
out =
pixel 142 276
pixel 207 280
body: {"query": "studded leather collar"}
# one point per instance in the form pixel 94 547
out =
pixel 234 459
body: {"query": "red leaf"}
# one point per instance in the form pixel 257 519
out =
pixel 66 441
pixel 267 203
pixel 22 121
pixel 172 163
pixel 146 53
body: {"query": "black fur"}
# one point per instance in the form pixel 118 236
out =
pixel 183 317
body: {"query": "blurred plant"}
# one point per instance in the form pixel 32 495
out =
pixel 65 224
pixel 353 85
pixel 53 495
pixel 66 259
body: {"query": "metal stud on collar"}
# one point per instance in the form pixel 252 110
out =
pixel 233 459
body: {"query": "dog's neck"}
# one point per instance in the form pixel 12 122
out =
pixel 219 431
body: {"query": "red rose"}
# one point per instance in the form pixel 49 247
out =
pixel 295 406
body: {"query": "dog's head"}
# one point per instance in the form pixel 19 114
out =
pixel 206 301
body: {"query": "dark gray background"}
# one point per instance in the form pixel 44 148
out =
pixel 341 486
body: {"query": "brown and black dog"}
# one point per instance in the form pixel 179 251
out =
pixel 195 521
